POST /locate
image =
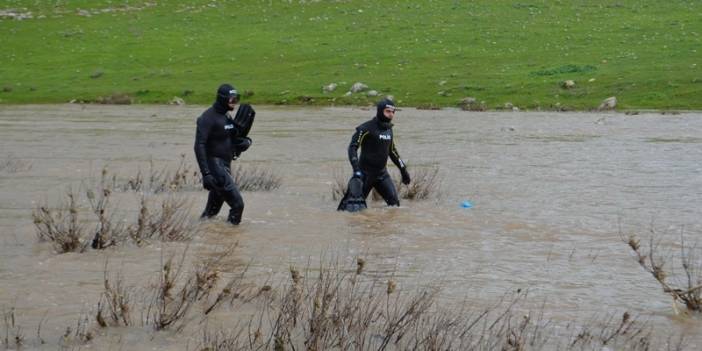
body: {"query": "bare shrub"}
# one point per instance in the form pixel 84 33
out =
pixel 177 292
pixel 249 178
pixel 78 335
pixel 168 222
pixel 109 232
pixel 13 336
pixel 61 226
pixel 341 310
pixel 164 179
pixel 339 184
pixel 425 184
pixel 253 178
pixel 687 289
pixel 115 305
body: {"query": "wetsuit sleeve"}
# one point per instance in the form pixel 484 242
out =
pixel 395 156
pixel 201 134
pixel 356 142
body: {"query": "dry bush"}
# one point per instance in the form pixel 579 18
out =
pixel 249 178
pixel 164 179
pixel 61 226
pixel 339 184
pixel 341 310
pixel 78 335
pixel 178 292
pixel 687 289
pixel 13 336
pixel 253 178
pixel 115 304
pixel 109 232
pixel 170 221
pixel 425 184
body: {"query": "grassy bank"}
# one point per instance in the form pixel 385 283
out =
pixel 427 53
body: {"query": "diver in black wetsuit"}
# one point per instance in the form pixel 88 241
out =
pixel 375 139
pixel 213 150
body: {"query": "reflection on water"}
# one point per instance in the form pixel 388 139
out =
pixel 551 193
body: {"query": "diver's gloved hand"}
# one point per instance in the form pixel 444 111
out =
pixel 405 176
pixel 209 182
pixel 357 174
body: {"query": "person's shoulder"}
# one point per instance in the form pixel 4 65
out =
pixel 365 125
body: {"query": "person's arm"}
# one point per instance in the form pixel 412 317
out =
pixel 395 157
pixel 356 142
pixel 201 135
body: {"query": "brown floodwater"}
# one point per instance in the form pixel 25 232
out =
pixel 552 195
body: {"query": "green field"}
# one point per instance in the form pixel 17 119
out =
pixel 425 53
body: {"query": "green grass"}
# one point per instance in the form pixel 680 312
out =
pixel 424 53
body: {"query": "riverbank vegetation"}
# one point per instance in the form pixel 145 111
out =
pixel 555 55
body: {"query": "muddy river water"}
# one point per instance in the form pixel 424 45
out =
pixel 552 195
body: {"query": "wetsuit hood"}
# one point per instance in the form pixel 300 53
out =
pixel 383 121
pixel 224 93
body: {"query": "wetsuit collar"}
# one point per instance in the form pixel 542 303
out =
pixel 383 123
pixel 223 109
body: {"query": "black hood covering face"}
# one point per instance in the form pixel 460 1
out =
pixel 382 120
pixel 224 93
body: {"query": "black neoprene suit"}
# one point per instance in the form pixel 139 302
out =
pixel 375 139
pixel 213 151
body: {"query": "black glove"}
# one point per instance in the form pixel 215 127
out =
pixel 405 176
pixel 209 182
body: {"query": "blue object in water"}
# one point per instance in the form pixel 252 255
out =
pixel 466 204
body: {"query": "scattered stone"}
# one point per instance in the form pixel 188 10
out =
pixel 515 109
pixel 358 87
pixel 443 93
pixel 15 14
pixel 177 101
pixel 442 83
pixel 568 84
pixel 372 93
pixel 471 104
pixel 591 80
pixel 507 129
pixel 115 99
pixel 329 88
pixel 609 103
pixel 97 74
pixel 631 113
pixel 467 101
pixel 508 106
pixel 348 93
pixel 84 13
